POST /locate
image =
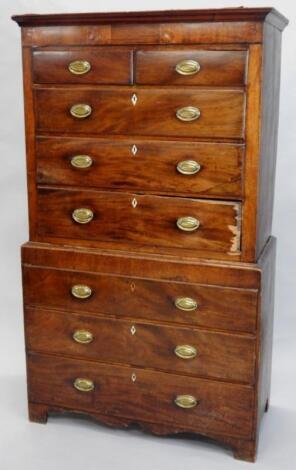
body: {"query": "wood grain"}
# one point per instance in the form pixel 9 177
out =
pixel 268 133
pixel 154 113
pixel 132 255
pixel 217 68
pixel 108 65
pixel 230 309
pixel 131 263
pixel 211 15
pixel 152 169
pixel 151 222
pixel 151 346
pixel 239 32
pixel 224 408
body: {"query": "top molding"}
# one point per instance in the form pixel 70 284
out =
pixel 269 15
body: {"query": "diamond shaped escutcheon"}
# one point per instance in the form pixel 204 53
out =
pixel 134 99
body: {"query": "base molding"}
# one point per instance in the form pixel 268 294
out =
pixel 242 449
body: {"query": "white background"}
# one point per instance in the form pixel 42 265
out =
pixel 68 443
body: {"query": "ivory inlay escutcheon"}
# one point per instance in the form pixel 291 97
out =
pixel 133 377
pixel 134 149
pixel 134 203
pixel 133 286
pixel 134 99
pixel 133 330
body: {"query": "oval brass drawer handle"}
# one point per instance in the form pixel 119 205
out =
pixel 185 351
pixel 188 224
pixel 188 167
pixel 186 303
pixel 84 385
pixel 186 401
pixel 81 161
pixel 188 113
pixel 188 67
pixel 79 67
pixel 82 215
pixel 80 110
pixel 83 336
pixel 81 291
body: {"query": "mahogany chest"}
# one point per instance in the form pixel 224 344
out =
pixel 148 276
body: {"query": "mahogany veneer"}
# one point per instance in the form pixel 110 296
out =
pixel 149 274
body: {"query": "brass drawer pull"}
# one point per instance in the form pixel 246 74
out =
pixel 188 67
pixel 83 336
pixel 186 303
pixel 185 351
pixel 79 67
pixel 84 385
pixel 188 167
pixel 81 161
pixel 80 291
pixel 186 401
pixel 80 110
pixel 188 113
pixel 188 224
pixel 82 215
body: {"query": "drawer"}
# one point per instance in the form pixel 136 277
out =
pixel 141 395
pixel 109 65
pixel 189 66
pixel 138 111
pixel 213 226
pixel 225 308
pixel 156 166
pixel 196 352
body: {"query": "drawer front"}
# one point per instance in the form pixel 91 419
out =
pixel 146 220
pixel 142 395
pixel 135 111
pixel 211 306
pixel 190 67
pixel 174 349
pixel 215 169
pixel 101 65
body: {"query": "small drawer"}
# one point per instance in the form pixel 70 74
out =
pixel 188 224
pixel 190 67
pixel 144 395
pixel 195 352
pixel 172 167
pixel 224 308
pixel 191 112
pixel 103 65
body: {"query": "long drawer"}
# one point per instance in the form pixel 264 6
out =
pixel 223 308
pixel 143 395
pixel 185 168
pixel 168 348
pixel 213 226
pixel 191 112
